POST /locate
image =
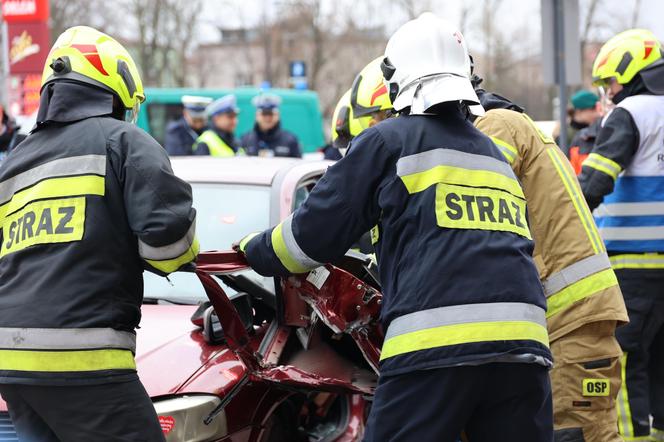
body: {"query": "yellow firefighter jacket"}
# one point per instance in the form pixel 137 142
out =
pixel 573 265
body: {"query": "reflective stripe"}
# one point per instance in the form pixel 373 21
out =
pixel 80 165
pixel 603 164
pixel 66 361
pixel 420 171
pixel 630 209
pixel 579 290
pixel 510 152
pixel 462 324
pixel 625 425
pixel 66 339
pixel 243 243
pixel 572 186
pixel 288 250
pixel 638 261
pixel 172 265
pixel 217 147
pixel 575 272
pixel 632 233
pixel 170 251
pixel 53 188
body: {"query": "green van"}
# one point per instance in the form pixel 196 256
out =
pixel 300 112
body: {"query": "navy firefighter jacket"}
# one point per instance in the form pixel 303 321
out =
pixel 454 250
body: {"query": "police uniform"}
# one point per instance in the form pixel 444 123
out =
pixel 583 297
pixel 86 202
pixel 180 137
pixel 463 309
pixel 215 141
pixel 276 142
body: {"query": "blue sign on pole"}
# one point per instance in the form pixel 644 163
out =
pixel 298 69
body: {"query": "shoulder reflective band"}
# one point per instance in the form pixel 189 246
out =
pixel 80 165
pixel 630 209
pixel 632 233
pixel 420 171
pixel 638 261
pixel 603 164
pixel 572 187
pixel 43 222
pixel 66 339
pixel 463 324
pixel 575 272
pixel 288 250
pixel 510 152
pixel 596 387
pixel 580 290
pixel 66 361
pixel 173 264
pixel 461 207
pixel 170 251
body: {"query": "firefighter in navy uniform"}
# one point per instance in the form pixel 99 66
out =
pixel 623 178
pixel 87 202
pixel 464 313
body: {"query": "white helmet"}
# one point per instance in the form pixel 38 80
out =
pixel 426 63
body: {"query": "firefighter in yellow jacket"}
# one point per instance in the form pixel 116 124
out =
pixel 583 298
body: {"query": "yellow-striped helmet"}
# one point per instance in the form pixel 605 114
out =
pixel 86 55
pixel 369 93
pixel 345 126
pixel 624 55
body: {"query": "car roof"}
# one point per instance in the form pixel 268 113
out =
pixel 238 170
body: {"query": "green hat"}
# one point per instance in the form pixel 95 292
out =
pixel 584 99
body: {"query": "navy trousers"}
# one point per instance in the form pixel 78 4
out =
pixel 497 402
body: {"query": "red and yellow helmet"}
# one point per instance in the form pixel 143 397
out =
pixel 625 55
pixel 369 93
pixel 345 126
pixel 88 56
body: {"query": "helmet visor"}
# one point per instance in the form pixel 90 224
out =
pixel 131 115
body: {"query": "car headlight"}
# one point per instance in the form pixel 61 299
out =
pixel 181 418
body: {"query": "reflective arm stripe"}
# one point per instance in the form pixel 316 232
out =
pixel 172 265
pixel 420 171
pixel 66 339
pixel 572 186
pixel 575 272
pixel 507 149
pixel 243 243
pixel 170 251
pixel 66 361
pixel 288 250
pixel 461 324
pixel 603 164
pixel 54 188
pixel 580 290
pixel 638 261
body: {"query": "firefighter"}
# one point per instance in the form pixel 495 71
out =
pixel 219 140
pixel 463 308
pixel 183 133
pixel 623 178
pixel 86 202
pixel 584 301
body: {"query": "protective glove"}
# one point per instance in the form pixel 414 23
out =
pixel 241 246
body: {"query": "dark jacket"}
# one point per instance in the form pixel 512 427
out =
pixel 443 259
pixel 276 142
pixel 87 202
pixel 582 145
pixel 180 137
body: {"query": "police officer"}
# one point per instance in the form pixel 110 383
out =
pixel 463 309
pixel 87 202
pixel 623 178
pixel 583 298
pixel 587 118
pixel 183 133
pixel 267 137
pixel 219 140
